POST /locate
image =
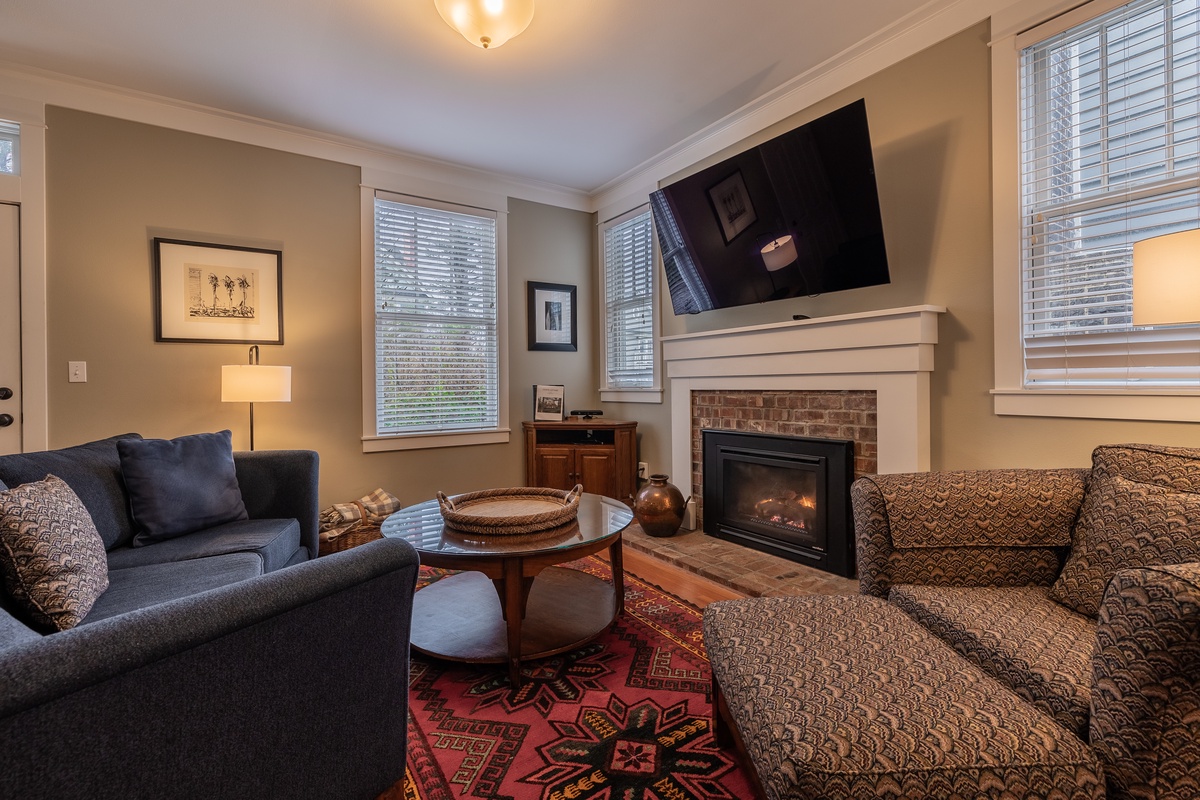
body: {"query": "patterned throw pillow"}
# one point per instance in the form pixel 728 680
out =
pixel 1141 509
pixel 52 558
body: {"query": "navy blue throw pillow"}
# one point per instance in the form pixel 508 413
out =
pixel 180 486
pixel 93 471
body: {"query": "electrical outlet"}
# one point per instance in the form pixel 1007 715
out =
pixel 643 470
pixel 77 372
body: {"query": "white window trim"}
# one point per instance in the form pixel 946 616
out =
pixel 1009 395
pixel 654 393
pixel 371 441
pixel 27 188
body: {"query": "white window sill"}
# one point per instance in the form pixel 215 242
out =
pixel 631 395
pixel 380 444
pixel 1158 405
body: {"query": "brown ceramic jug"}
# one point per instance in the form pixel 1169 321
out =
pixel 659 507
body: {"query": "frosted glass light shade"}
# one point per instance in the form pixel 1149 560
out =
pixel 1166 279
pixel 486 23
pixel 255 383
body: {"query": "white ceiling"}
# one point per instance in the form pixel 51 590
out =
pixel 590 91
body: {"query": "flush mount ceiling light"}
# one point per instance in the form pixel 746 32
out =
pixel 486 23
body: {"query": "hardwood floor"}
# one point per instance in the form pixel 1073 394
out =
pixel 689 586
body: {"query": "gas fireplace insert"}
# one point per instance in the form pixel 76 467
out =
pixel 784 495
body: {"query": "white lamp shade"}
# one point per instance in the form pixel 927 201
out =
pixel 486 23
pixel 1166 279
pixel 255 383
pixel 778 253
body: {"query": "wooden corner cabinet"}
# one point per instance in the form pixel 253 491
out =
pixel 600 454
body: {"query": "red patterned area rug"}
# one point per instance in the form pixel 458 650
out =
pixel 626 717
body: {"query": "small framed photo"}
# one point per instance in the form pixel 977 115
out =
pixel 731 203
pixel 217 293
pixel 552 317
pixel 547 402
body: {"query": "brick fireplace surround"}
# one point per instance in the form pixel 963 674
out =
pixel 864 377
pixel 814 413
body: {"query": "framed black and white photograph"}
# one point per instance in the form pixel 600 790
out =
pixel 731 203
pixel 547 402
pixel 552 317
pixel 217 293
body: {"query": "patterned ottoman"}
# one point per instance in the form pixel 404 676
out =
pixel 847 697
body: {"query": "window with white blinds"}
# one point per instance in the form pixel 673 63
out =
pixel 629 301
pixel 436 343
pixel 10 142
pixel 1110 155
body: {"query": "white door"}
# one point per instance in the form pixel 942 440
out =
pixel 10 329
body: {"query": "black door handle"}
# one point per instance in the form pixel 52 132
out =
pixel 6 420
pixel 5 392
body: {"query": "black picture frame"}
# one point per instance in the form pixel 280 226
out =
pixel 245 283
pixel 553 316
pixel 732 206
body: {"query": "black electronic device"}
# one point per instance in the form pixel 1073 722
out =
pixel 797 215
pixel 587 413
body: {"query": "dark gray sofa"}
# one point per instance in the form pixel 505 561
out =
pixel 227 663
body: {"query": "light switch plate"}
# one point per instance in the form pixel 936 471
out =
pixel 77 371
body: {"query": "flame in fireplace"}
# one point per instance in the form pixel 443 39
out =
pixel 789 509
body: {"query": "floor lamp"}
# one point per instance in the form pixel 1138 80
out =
pixel 254 383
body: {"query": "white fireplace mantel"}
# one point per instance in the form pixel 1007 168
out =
pixel 889 352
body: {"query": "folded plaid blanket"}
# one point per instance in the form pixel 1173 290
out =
pixel 372 509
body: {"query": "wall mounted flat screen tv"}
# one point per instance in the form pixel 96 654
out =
pixel 795 216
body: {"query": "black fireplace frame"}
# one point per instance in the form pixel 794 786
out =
pixel 835 457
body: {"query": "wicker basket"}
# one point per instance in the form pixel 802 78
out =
pixel 500 512
pixel 343 538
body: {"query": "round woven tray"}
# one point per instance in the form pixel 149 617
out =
pixel 510 511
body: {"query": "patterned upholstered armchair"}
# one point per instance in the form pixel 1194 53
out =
pixel 1077 589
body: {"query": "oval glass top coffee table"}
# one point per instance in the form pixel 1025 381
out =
pixel 495 611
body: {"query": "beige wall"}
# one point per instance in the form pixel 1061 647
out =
pixel 551 245
pixel 113 185
pixel 930 127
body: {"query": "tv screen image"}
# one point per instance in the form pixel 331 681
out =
pixel 797 215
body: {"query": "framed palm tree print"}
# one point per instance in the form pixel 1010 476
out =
pixel 217 293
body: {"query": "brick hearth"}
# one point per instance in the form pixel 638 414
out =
pixel 730 565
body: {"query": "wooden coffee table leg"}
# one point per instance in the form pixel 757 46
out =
pixel 513 599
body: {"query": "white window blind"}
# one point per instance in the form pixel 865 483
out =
pixel 10 141
pixel 1110 118
pixel 629 301
pixel 436 353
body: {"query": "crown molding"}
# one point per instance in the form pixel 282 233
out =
pixel 50 88
pixel 918 30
